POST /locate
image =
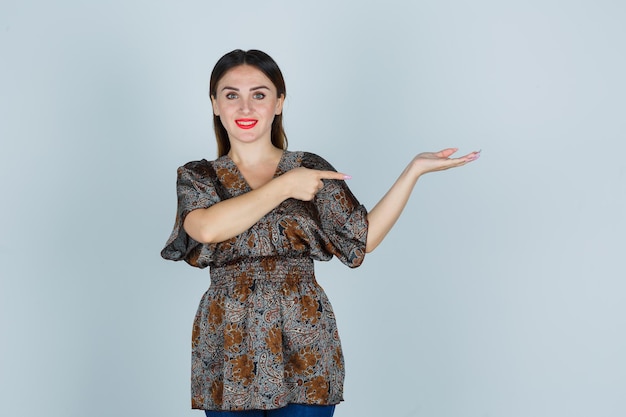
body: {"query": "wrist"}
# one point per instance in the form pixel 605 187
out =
pixel 282 187
pixel 414 171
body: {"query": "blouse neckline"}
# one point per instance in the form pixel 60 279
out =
pixel 233 166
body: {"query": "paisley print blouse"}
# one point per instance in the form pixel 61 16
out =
pixel 265 334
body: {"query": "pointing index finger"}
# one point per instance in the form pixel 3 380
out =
pixel 332 175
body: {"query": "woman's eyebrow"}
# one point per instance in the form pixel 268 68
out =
pixel 261 87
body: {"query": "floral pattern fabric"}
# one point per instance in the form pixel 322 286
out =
pixel 265 333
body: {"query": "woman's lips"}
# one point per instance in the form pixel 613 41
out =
pixel 246 123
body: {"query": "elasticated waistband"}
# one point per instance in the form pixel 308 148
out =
pixel 271 268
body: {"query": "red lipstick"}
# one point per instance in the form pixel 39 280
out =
pixel 246 123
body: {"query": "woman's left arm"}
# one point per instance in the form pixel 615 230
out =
pixel 385 214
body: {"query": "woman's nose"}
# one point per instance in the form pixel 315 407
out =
pixel 246 105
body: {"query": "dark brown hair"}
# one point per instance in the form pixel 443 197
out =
pixel 267 66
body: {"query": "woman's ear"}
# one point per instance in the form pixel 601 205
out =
pixel 214 104
pixel 279 105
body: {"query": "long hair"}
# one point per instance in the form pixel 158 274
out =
pixel 267 66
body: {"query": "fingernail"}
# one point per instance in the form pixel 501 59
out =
pixel 475 156
pixel 347 177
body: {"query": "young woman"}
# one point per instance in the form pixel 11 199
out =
pixel 264 340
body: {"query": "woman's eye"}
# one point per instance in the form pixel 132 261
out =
pixel 231 96
pixel 259 96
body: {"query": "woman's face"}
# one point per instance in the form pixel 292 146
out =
pixel 246 102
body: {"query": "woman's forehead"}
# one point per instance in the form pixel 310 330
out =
pixel 244 75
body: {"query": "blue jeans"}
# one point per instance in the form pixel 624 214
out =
pixel 291 410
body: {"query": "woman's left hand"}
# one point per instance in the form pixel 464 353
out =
pixel 438 161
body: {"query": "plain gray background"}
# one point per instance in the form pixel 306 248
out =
pixel 500 292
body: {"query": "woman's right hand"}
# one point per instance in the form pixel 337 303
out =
pixel 304 183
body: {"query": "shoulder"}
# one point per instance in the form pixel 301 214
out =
pixel 197 169
pixel 314 161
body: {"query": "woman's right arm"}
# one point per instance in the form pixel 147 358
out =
pixel 234 216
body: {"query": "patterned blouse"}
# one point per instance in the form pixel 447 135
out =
pixel 265 334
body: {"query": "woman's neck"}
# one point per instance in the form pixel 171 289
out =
pixel 254 154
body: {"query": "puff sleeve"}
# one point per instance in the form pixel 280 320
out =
pixel 343 219
pixel 195 188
